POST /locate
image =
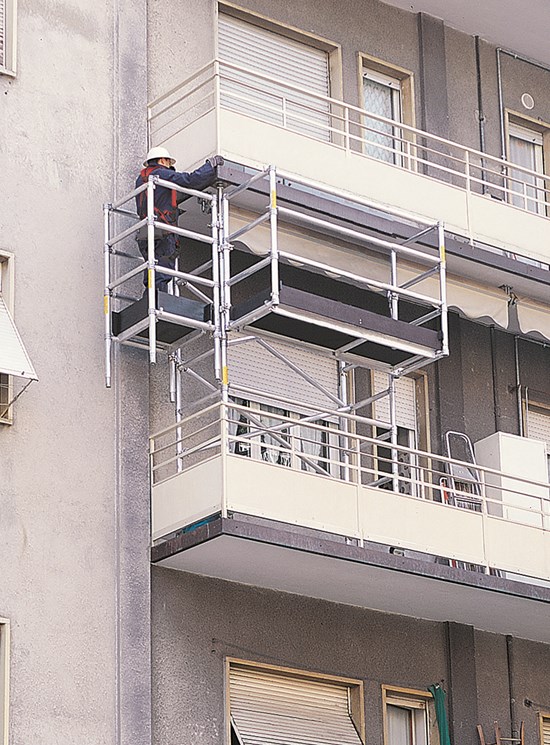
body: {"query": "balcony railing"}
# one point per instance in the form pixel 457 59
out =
pixel 338 448
pixel 223 85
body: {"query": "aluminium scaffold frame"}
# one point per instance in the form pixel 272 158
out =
pixel 227 331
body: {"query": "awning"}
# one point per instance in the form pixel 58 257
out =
pixel 268 707
pixel 534 317
pixel 14 359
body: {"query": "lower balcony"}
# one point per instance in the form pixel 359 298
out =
pixel 315 508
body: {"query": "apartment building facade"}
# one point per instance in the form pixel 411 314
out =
pixel 345 507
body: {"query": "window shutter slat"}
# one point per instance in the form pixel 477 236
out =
pixel 273 709
pixel 405 403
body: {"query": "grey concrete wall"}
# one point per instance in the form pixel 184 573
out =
pixel 73 500
pixel 197 622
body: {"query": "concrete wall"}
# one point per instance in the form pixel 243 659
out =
pixel 197 622
pixel 73 495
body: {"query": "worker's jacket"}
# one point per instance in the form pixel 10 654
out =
pixel 166 202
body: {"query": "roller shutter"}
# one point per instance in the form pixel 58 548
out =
pixel 265 52
pixel 253 366
pixel 405 403
pixel 545 727
pixel 272 709
pixel 14 359
pixel 538 425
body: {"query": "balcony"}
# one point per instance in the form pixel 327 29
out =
pixel 307 504
pixel 387 164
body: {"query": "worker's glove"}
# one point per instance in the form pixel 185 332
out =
pixel 215 161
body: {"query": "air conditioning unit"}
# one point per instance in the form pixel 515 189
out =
pixel 516 458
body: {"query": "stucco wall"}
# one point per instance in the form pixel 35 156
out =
pixel 73 123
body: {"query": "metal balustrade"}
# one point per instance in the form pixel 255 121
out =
pixel 221 84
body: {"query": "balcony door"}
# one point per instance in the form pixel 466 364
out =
pixel 276 79
pixel 526 150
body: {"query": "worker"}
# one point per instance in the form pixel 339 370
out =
pixel 160 163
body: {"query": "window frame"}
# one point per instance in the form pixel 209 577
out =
pixel 417 699
pixel 395 77
pixel 7 284
pixel 544 716
pixel 10 38
pixel 515 125
pixel 356 689
pixel 4 679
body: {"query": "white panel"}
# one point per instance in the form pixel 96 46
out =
pixel 408 193
pixel 405 400
pixel 518 548
pixel 187 497
pixel 268 53
pixel 253 366
pixel 421 525
pixel 269 708
pixel 295 497
pixel 14 359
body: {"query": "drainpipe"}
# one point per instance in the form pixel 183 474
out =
pixel 518 387
pixel 480 113
pixel 511 689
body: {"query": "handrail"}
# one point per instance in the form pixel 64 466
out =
pixel 501 168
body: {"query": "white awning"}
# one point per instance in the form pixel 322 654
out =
pixel 534 317
pixel 273 709
pixel 14 359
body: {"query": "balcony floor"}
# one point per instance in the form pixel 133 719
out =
pixel 311 564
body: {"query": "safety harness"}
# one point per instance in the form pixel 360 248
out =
pixel 169 216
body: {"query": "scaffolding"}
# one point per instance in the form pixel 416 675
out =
pixel 242 298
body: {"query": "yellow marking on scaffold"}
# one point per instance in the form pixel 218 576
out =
pixel 149 278
pixel 106 304
pixel 225 375
pixel 274 200
pixel 442 252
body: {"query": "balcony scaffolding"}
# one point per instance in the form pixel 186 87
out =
pixel 358 320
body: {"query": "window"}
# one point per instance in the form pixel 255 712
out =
pixel 14 360
pixel 409 717
pixel 526 149
pixel 544 724
pixel 411 427
pixel 8 12
pixel 269 704
pixel 386 92
pixel 538 427
pixel 4 679
pixel 256 47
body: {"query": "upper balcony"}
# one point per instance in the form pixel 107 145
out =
pixel 254 119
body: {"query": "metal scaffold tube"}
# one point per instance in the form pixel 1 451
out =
pixel 107 293
pixel 151 291
pixel 273 233
pixel 216 299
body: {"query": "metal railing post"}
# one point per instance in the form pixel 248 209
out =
pixel 107 292
pixel 394 433
pixel 273 232
pixel 151 290
pixel 443 289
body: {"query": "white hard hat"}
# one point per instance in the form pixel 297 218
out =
pixel 158 152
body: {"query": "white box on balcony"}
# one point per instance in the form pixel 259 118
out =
pixel 516 458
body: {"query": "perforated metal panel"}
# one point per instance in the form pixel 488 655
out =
pixel 268 53
pixel 405 403
pixel 272 709
pixel 538 425
pixel 14 359
pixel 253 366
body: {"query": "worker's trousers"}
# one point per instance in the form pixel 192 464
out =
pixel 166 251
